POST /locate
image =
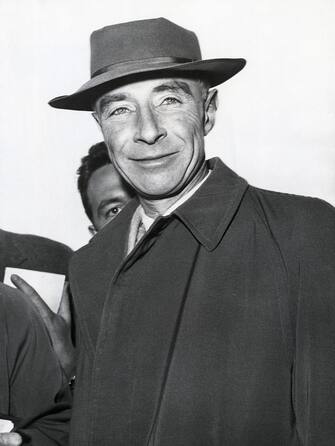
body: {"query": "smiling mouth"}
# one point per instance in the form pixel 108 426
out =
pixel 155 158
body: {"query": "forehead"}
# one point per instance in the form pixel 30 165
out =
pixel 104 179
pixel 149 87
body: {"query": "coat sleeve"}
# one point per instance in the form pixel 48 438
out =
pixel 314 368
pixel 38 396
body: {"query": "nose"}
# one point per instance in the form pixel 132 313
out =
pixel 149 128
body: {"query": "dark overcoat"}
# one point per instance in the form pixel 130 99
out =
pixel 218 329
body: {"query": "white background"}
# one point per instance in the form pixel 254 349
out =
pixel 275 126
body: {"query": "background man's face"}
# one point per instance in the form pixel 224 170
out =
pixel 107 195
pixel 154 130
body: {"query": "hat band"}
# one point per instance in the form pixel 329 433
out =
pixel 148 62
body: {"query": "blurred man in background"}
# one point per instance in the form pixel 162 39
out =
pixel 37 413
pixel 104 193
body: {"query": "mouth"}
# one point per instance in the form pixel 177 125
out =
pixel 154 159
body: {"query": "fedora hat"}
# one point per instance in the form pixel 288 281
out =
pixel 141 49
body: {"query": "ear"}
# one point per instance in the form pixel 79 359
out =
pixel 92 230
pixel 211 104
pixel 96 118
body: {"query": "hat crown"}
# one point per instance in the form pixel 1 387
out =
pixel 138 50
pixel 141 40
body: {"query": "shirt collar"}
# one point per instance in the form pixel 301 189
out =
pixel 146 220
pixel 185 197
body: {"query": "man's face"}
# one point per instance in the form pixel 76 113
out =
pixel 154 130
pixel 107 195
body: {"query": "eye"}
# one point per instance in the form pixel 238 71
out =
pixel 119 111
pixel 112 212
pixel 171 100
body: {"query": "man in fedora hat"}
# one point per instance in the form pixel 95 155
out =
pixel 205 315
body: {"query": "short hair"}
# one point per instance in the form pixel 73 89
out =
pixel 97 157
pixel 204 87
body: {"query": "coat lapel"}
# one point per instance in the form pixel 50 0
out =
pixel 208 213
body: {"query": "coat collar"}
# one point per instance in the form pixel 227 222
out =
pixel 208 213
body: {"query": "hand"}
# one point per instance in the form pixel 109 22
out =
pixel 10 439
pixel 58 325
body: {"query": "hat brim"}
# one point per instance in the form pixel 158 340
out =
pixel 214 71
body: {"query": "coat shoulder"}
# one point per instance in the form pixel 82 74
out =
pixel 295 218
pixel 297 204
pixel 40 244
pixel 34 252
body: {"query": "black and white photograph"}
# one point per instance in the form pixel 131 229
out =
pixel 167 234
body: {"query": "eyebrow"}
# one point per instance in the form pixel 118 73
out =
pixel 174 86
pixel 117 97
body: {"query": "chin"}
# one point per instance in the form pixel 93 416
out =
pixel 158 192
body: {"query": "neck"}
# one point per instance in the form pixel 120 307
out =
pixel 155 208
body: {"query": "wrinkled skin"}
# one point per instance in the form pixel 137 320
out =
pixel 154 130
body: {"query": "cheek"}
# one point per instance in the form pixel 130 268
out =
pixel 188 124
pixel 116 140
pixel 189 128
